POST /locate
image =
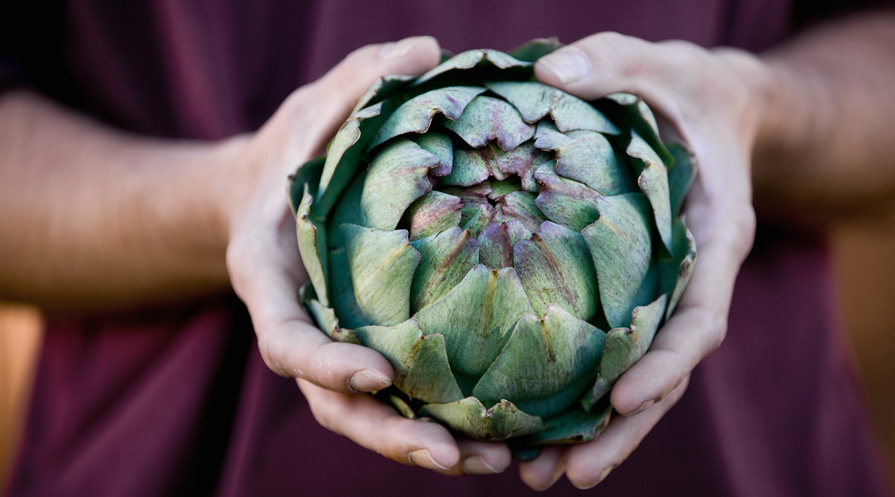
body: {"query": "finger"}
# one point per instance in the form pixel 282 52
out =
pixel 376 426
pixel 480 458
pixel 266 277
pixel 590 463
pixel 546 469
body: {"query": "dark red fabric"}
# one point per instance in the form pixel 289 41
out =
pixel 176 400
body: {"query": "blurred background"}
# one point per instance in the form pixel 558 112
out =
pixel 864 260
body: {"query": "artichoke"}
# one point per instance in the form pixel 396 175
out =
pixel 510 248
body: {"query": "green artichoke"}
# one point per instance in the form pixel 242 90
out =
pixel 482 231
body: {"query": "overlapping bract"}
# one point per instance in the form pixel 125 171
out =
pixel 510 248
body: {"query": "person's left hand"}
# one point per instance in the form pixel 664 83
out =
pixel 710 100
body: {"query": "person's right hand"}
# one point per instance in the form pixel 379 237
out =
pixel 266 271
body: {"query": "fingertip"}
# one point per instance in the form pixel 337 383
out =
pixel 564 66
pixel 352 368
pixel 541 473
pixel 484 458
pixel 422 52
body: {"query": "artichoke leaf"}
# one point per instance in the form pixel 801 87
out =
pixel 586 157
pixel 565 201
pixel 681 175
pixel 632 113
pixel 535 49
pixel 519 205
pixel 342 291
pixel 497 240
pixel 470 417
pixel 328 322
pixel 472 59
pixel 470 168
pixel 653 181
pixel 347 211
pixel 555 267
pixel 621 248
pixel 433 213
pixel 446 257
pixel 439 145
pixel 478 220
pixel 420 362
pixel 676 273
pixel 572 427
pixel 535 100
pixel 311 245
pixel 382 264
pixel 416 114
pixel 476 317
pixel 308 174
pixel 488 118
pixel 381 89
pixel 397 177
pixel 546 364
pixel 625 346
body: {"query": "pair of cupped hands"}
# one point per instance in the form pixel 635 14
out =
pixel 705 98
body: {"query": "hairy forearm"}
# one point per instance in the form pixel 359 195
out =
pixel 95 218
pixel 826 149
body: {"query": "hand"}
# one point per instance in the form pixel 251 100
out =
pixel 266 270
pixel 710 97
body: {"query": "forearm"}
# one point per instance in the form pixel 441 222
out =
pixel 93 218
pixel 825 148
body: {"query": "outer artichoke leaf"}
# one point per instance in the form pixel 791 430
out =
pixel 586 157
pixel 488 118
pixel 519 205
pixel 342 291
pixel 572 427
pixel 473 59
pixel 653 182
pixel 381 89
pixel 446 258
pixel 343 156
pixel 433 213
pixel 476 317
pixel 632 113
pixel 312 246
pixel 546 364
pixel 469 417
pixel 497 240
pixel 555 267
pixel 535 49
pixel 439 145
pixel 382 264
pixel 621 248
pixel 306 174
pixel 397 177
pixel 535 100
pixel 625 346
pixel 676 273
pixel 416 114
pixel 471 167
pixel 565 201
pixel 328 322
pixel 420 362
pixel 681 175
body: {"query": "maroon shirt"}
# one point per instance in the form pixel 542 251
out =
pixel 175 400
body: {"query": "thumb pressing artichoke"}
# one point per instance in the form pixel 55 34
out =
pixel 510 248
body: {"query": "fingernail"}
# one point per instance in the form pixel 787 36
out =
pixel 646 405
pixel 569 64
pixel 600 478
pixel 477 465
pixel 368 381
pixel 398 49
pixel 423 459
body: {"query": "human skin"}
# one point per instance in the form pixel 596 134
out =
pixel 129 220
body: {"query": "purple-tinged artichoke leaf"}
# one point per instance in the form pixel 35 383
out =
pixel 328 322
pixel 470 168
pixel 535 49
pixel 470 417
pixel 555 267
pixel 312 246
pixel 520 161
pixel 676 272
pixel 420 362
pixel 585 156
pixel 479 217
pixel 433 213
pixel 344 155
pixel 473 59
pixel 625 346
pixel 680 175
pixel 439 145
pixel 621 248
pixel 572 427
pixel 382 264
pixel 497 240
pixel 653 181
pixel 546 364
pixel 381 89
pixel 446 257
pixel 499 189
pixel 486 119
pixel 519 205
pixel 565 201
pixel 308 174
pixel 476 317
pixel 397 177
pixel 536 100
pixel 347 211
pixel 416 114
